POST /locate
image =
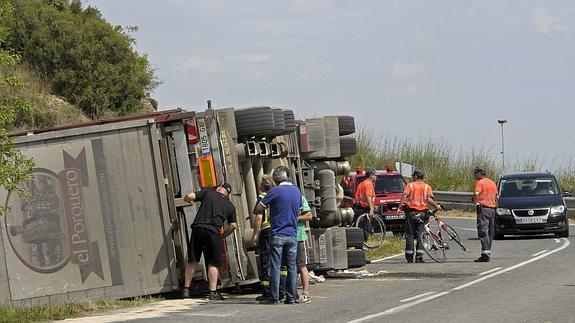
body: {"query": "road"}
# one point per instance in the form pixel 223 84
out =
pixel 528 280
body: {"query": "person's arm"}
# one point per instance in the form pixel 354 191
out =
pixel 232 223
pixel 476 193
pixel 231 227
pixel 431 199
pixel 259 209
pixel 404 197
pixel 257 225
pixel 304 217
pixel 370 198
pixel 190 197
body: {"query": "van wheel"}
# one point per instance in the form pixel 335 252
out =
pixel 564 233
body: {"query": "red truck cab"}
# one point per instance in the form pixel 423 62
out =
pixel 389 187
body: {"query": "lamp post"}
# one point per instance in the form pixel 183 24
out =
pixel 502 122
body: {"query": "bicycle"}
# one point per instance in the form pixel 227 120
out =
pixel 373 230
pixel 433 242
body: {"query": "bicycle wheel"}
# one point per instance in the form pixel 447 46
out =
pixel 433 246
pixel 453 236
pixel 373 230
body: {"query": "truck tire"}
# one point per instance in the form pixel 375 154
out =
pixel 354 237
pixel 279 122
pixel 289 119
pixel 355 258
pixel 255 121
pixel 347 146
pixel 346 125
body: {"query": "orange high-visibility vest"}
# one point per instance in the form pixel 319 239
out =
pixel 417 194
pixel 364 191
pixel 487 192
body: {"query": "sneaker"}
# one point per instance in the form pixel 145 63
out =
pixel 289 301
pixel 186 293
pixel 304 299
pixel 268 301
pixel 419 260
pixel 409 260
pixel 261 298
pixel 215 296
pixel 483 258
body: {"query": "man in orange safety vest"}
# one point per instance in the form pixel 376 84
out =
pixel 485 200
pixel 416 196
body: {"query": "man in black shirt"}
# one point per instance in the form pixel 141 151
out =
pixel 208 233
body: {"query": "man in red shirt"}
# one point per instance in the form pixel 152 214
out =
pixel 485 200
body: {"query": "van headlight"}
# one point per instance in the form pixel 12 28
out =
pixel 557 210
pixel 503 211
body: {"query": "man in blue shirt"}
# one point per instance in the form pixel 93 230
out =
pixel 284 203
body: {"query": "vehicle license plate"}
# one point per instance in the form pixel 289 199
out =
pixel 395 217
pixel 530 220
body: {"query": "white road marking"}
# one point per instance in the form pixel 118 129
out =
pixel 540 252
pixel 399 308
pixel 491 270
pixel 368 280
pixel 557 241
pixel 383 259
pixel 212 314
pixel 471 283
pixel 416 297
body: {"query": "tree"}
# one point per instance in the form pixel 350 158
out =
pixel 88 61
pixel 15 168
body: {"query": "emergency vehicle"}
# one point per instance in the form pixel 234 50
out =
pixel 389 187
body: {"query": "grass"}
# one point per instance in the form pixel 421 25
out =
pixel 48 110
pixel 456 214
pixel 65 311
pixel 391 246
pixel 448 168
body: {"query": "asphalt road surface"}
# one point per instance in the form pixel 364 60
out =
pixel 528 280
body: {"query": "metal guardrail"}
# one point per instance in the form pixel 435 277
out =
pixel 462 201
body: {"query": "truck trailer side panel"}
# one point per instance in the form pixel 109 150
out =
pixel 96 224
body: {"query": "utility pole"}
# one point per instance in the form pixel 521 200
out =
pixel 502 122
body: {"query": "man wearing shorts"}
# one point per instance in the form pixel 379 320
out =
pixel 208 234
pixel 301 257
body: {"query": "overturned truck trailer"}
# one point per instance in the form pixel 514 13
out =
pixel 106 216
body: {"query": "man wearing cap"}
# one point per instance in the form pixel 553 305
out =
pixel 365 194
pixel 207 234
pixel 416 196
pixel 485 200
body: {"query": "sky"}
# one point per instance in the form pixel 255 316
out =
pixel 445 69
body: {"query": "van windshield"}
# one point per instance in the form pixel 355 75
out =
pixel 528 187
pixel 387 184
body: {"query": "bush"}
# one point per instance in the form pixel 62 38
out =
pixel 86 60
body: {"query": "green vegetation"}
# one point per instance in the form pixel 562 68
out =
pixel 391 246
pixel 14 166
pixel 80 57
pixel 64 311
pixel 447 168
